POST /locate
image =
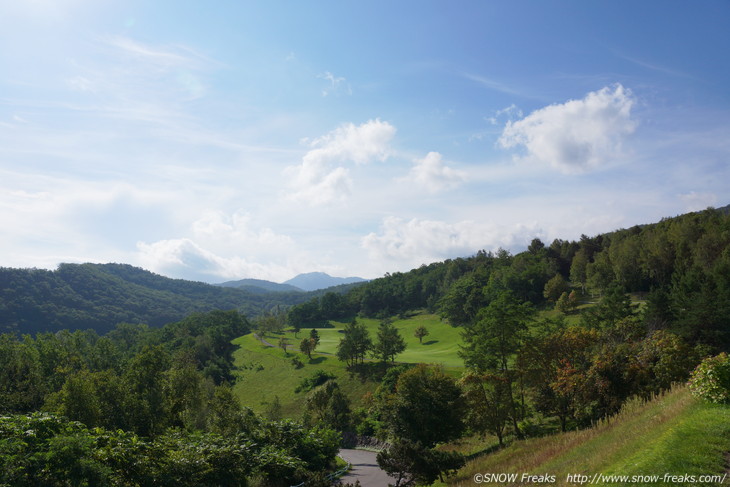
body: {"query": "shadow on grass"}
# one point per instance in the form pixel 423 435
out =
pixel 430 342
pixel 317 360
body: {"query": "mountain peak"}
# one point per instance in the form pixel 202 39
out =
pixel 312 281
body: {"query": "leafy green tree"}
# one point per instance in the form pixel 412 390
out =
pixel 314 335
pixel 599 273
pixel 225 416
pixel 283 343
pixel 78 400
pixel 555 287
pixel 551 364
pixel 420 333
pixel 389 342
pixel 406 416
pixel 307 346
pixel 272 321
pixel 614 306
pixel 145 380
pixel 21 383
pixel 355 345
pixel 487 403
pixel 493 341
pixel 413 464
pixel 578 267
pixel 466 297
pixel 186 395
pixel 328 405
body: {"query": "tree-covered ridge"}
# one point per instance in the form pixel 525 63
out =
pixel 99 296
pixel 681 264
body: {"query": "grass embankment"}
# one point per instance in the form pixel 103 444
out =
pixel 267 372
pixel 674 434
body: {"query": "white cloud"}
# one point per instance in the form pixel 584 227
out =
pixel 321 177
pixel 694 201
pixel 186 259
pixel 433 175
pixel 415 242
pixel 237 234
pixel 576 135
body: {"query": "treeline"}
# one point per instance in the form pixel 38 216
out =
pixel 143 406
pixel 99 296
pixel 681 265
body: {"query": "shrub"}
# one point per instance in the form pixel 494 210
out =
pixel 711 379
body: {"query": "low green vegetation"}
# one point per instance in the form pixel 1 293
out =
pixel 674 434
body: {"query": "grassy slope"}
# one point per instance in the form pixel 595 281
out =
pixel 673 434
pixel 266 372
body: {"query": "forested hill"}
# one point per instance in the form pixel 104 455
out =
pixel 681 265
pixel 99 296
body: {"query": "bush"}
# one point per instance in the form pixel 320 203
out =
pixel 711 379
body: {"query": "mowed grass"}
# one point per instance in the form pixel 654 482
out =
pixel 440 346
pixel 267 372
pixel 674 434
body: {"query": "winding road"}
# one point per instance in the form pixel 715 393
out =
pixel 365 469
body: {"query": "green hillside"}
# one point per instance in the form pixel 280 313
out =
pixel 674 436
pixel 99 296
pixel 266 373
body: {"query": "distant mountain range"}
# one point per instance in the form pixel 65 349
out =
pixel 310 281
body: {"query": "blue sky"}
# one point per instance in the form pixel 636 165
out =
pixel 226 140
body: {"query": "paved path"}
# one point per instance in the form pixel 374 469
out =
pixel 365 469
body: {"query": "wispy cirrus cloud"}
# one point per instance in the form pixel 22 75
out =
pixel 577 135
pixel 336 84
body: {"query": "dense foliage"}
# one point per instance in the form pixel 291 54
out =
pixel 41 449
pixel 99 296
pixel 142 406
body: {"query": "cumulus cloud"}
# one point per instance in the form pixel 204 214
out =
pixel 184 258
pixel 417 241
pixel 577 135
pixel 432 174
pixel 321 178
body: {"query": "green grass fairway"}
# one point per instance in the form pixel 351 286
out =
pixel 265 373
pixel 441 346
